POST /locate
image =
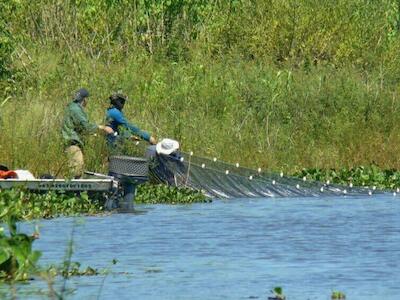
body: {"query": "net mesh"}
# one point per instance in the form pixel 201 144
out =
pixel 129 166
pixel 219 179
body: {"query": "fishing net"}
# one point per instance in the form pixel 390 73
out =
pixel 219 179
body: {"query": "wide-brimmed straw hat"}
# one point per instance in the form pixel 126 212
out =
pixel 167 146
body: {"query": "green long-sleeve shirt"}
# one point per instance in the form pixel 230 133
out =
pixel 76 124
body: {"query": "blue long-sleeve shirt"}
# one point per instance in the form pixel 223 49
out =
pixel 117 121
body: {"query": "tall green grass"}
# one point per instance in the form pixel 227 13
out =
pixel 256 114
pixel 271 84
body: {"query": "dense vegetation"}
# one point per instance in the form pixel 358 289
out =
pixel 164 194
pixel 23 205
pixel 371 176
pixel 277 84
pixel 17 259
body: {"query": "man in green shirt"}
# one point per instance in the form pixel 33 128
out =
pixel 75 125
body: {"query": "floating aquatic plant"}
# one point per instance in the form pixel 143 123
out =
pixel 161 193
pixel 278 294
pixel 337 295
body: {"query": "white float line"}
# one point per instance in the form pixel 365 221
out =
pixel 281 175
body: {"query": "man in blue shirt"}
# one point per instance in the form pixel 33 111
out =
pixel 116 120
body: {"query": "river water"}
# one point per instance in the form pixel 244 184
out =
pixel 234 249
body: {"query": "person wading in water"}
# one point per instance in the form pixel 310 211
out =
pixel 74 126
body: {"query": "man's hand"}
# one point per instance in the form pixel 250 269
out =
pixel 106 129
pixel 152 140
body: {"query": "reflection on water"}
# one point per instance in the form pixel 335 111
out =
pixel 236 249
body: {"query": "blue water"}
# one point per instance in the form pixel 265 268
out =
pixel 236 249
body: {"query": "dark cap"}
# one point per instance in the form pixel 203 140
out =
pixel 118 96
pixel 81 94
pixel 118 100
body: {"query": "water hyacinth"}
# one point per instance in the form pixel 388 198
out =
pixel 163 194
pixel 24 205
pixel 372 176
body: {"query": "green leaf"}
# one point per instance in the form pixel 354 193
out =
pixel 4 255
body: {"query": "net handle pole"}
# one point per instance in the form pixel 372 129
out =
pixel 98 175
pixel 188 170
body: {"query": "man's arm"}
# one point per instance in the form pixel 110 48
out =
pixel 120 118
pixel 84 123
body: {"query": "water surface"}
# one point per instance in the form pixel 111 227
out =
pixel 235 249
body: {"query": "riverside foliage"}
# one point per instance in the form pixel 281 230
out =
pixel 360 176
pixel 17 259
pixel 23 205
pixel 272 84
